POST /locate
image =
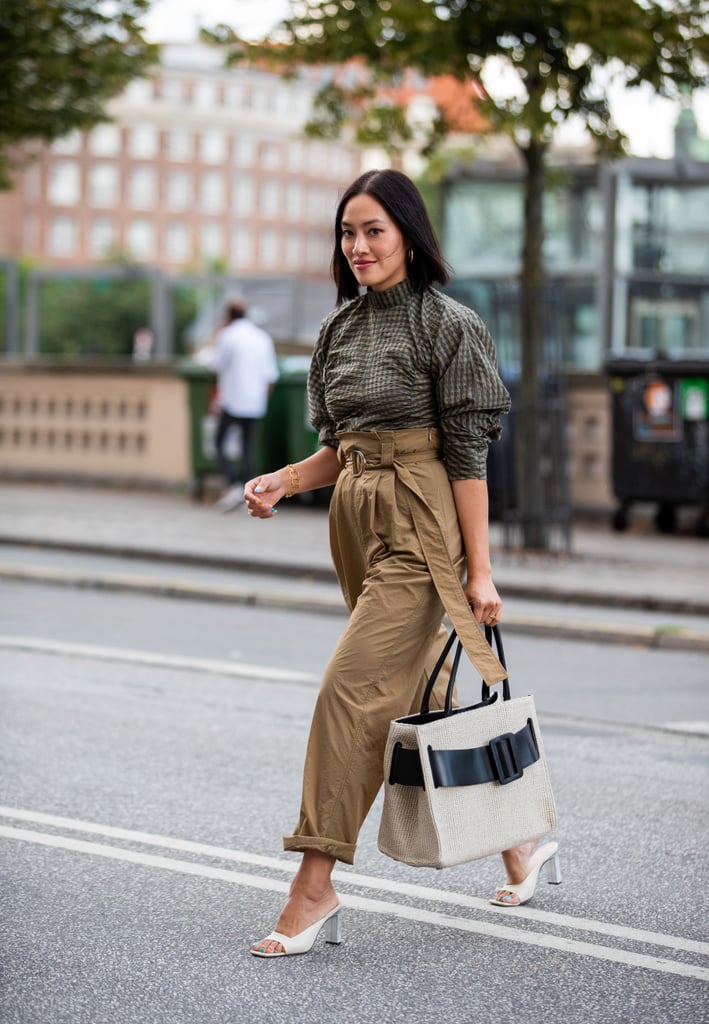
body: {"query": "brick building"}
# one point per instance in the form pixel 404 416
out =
pixel 202 166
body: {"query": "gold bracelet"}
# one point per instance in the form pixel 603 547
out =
pixel 294 481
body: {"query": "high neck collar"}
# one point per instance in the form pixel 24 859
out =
pixel 394 296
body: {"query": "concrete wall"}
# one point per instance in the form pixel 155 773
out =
pixel 119 423
pixel 130 424
pixel 589 442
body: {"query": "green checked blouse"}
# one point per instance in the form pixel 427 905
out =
pixel 396 359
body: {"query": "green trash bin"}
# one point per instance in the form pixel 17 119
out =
pixel 272 442
pixel 202 393
pixel 287 434
pixel 302 439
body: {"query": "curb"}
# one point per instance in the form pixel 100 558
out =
pixel 568 629
pixel 326 574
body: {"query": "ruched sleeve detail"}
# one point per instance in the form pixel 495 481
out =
pixel 470 394
pixel 318 414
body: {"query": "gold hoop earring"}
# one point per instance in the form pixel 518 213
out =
pixel 410 255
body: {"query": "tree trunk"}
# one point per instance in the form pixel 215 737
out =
pixel 528 431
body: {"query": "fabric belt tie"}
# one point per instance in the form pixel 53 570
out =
pixel 501 760
pixel 362 451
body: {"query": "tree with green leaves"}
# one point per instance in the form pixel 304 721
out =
pixel 560 55
pixel 60 62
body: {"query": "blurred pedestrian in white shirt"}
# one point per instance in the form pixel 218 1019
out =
pixel 244 358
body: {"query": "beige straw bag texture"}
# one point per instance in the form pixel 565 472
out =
pixel 472 781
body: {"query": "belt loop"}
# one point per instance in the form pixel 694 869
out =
pixel 387 443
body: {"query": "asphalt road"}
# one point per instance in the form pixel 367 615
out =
pixel 150 761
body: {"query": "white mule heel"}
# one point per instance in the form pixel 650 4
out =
pixel 303 942
pixel 515 895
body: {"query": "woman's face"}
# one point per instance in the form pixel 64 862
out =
pixel 372 244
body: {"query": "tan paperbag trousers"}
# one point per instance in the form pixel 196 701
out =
pixel 399 557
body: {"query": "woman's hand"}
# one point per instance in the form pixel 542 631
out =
pixel 483 599
pixel 263 493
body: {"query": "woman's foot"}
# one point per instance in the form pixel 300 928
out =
pixel 523 865
pixel 310 899
pixel 298 914
pixel 276 944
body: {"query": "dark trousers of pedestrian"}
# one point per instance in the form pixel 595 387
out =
pixel 243 469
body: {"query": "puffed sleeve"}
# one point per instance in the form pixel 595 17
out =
pixel 470 394
pixel 317 408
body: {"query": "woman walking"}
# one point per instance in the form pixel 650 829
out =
pixel 405 395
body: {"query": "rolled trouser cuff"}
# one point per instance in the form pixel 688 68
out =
pixel 301 844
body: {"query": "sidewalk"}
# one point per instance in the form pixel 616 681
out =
pixel 607 571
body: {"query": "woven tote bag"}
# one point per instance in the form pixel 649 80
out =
pixel 464 783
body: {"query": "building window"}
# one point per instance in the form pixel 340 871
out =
pixel 103 185
pixel 180 144
pixel 64 183
pixel 211 192
pixel 243 195
pixel 264 99
pixel 63 236
pixel 140 239
pixel 294 250
pixel 269 244
pixel 211 241
pixel 270 155
pixel 143 141
pixel 69 144
pixel 317 158
pixel 102 236
pixel 244 150
pixel 105 140
pixel 140 91
pixel 294 201
pixel 285 102
pixel 242 247
pixel 319 205
pixel 270 198
pixel 317 252
pixel 669 226
pixel 344 165
pixel 177 243
pixel 204 93
pixel 142 188
pixel 295 156
pixel 172 90
pixel 212 147
pixel 234 95
pixel 180 190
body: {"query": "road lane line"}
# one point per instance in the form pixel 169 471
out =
pixel 210 665
pixel 414 891
pixel 489 930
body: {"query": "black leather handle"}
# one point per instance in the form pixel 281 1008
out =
pixel 491 633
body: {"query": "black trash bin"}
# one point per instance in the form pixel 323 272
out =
pixel 660 440
pixel 502 461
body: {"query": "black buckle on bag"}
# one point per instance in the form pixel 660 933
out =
pixel 505 758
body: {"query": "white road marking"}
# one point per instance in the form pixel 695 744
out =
pixel 696 728
pixel 173 661
pixel 374 906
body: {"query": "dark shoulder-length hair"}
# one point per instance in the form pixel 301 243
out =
pixel 404 204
